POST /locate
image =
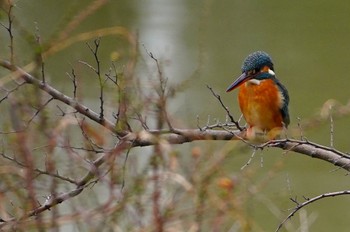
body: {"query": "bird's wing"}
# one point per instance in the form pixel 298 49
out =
pixel 284 109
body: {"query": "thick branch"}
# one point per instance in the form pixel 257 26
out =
pixel 331 155
pixel 179 136
pixel 315 150
pixel 172 136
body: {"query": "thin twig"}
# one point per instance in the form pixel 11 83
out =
pixel 39 55
pixel 249 160
pixel 94 50
pixel 39 110
pixel 81 185
pixel 29 79
pixel 309 201
pixel 9 30
pixel 73 77
pixel 39 171
pixel 331 127
pixel 217 96
pixel 124 168
pixel 162 91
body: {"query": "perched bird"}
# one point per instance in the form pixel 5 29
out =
pixel 262 98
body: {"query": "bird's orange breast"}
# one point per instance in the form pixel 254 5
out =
pixel 260 103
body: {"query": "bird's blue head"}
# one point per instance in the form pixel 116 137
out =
pixel 256 61
pixel 257 65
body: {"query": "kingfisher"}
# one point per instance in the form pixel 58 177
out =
pixel 262 98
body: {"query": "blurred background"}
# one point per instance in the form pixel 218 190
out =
pixel 202 43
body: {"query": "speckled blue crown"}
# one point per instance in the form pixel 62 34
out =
pixel 257 60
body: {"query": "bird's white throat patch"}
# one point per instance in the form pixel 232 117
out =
pixel 253 82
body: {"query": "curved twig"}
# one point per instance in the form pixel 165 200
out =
pixel 217 96
pixel 309 201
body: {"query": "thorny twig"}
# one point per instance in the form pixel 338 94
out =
pixel 73 77
pixel 98 73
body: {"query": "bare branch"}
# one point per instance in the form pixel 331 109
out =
pixel 137 193
pixel 249 160
pixel 9 30
pixel 217 96
pixel 39 171
pixel 162 93
pixel 113 78
pixel 63 98
pixel 9 92
pixel 81 185
pixel 309 201
pixel 97 70
pixel 39 56
pixel 73 77
pixel 179 136
pixel 39 110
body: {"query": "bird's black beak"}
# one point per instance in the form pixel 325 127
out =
pixel 240 80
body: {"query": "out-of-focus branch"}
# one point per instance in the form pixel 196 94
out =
pixel 180 136
pixel 52 201
pixel 28 78
pixel 9 30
